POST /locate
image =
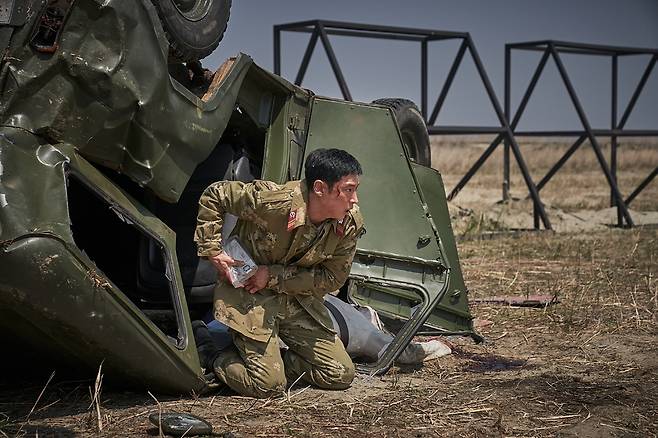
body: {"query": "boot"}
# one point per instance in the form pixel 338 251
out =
pixel 205 346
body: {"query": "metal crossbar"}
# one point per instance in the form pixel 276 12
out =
pixel 553 49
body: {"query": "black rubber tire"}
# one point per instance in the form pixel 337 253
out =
pixel 194 28
pixel 412 127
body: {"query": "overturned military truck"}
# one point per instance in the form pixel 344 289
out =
pixel 107 141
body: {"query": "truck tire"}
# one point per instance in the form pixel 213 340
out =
pixel 412 127
pixel 194 28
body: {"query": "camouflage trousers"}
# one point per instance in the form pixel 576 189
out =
pixel 258 369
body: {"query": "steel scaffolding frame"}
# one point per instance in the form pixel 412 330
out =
pixel 617 129
pixel 321 29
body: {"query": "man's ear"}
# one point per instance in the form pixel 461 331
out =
pixel 320 187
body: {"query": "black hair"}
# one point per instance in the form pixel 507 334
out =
pixel 330 165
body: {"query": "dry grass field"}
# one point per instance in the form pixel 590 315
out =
pixel 580 184
pixel 577 198
pixel 586 366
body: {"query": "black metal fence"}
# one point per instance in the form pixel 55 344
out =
pixel 505 132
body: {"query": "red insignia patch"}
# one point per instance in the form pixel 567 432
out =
pixel 291 219
pixel 340 229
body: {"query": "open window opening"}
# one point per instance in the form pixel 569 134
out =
pixel 114 242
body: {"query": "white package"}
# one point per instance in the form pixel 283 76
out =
pixel 238 275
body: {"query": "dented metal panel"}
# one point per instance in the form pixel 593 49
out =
pixel 105 90
pixel 100 94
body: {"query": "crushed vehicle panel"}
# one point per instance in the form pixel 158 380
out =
pixel 55 298
pixel 106 89
pixel 105 149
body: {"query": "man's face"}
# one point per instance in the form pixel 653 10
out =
pixel 338 200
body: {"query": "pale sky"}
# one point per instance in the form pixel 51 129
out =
pixel 380 68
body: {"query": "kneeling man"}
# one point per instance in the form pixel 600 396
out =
pixel 303 237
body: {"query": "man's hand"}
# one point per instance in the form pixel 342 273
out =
pixel 223 262
pixel 258 281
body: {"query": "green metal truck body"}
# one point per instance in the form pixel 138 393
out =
pixel 103 154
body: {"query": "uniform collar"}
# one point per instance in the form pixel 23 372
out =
pixel 339 226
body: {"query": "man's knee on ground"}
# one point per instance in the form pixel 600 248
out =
pixel 334 375
pixel 259 381
pixel 267 388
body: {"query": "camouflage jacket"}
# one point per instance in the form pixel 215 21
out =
pixel 304 260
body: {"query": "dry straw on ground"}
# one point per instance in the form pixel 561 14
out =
pixel 587 366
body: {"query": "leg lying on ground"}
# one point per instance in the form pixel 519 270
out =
pixel 322 357
pixel 367 342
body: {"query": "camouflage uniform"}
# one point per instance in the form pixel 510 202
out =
pixel 305 262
